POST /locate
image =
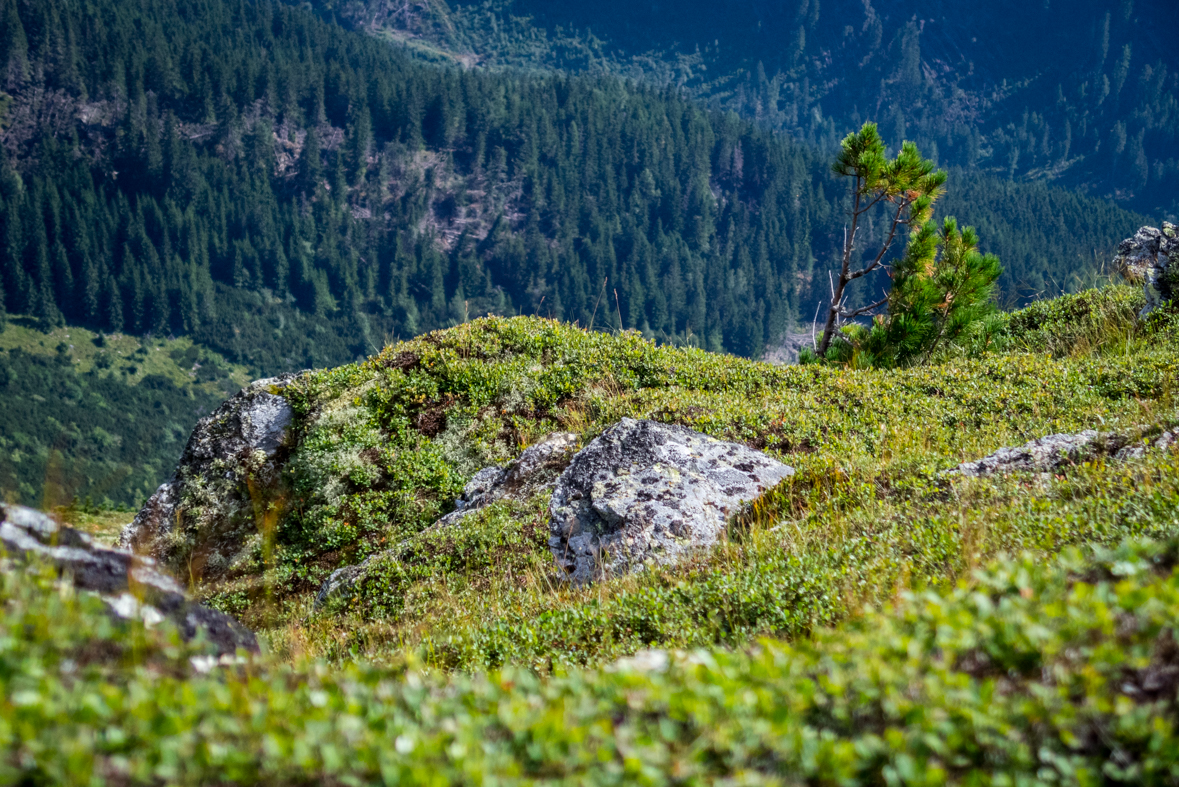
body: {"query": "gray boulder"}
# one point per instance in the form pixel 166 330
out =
pixel 199 521
pixel 1056 451
pixel 649 492
pixel 535 470
pixel 1151 258
pixel 131 586
pixel 1136 449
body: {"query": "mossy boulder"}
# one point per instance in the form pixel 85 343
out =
pixel 229 478
pixel 1151 257
pixel 644 492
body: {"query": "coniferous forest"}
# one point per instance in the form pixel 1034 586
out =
pixel 152 180
pixel 1082 93
pixel 292 194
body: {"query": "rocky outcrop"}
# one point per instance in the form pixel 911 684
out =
pixel 1054 452
pixel 534 471
pixel 1151 258
pixel 199 521
pixel 649 492
pixel 131 586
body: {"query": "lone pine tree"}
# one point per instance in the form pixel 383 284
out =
pixel 940 286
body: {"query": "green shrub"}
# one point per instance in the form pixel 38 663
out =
pixel 1034 673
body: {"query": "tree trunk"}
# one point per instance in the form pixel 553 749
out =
pixel 849 243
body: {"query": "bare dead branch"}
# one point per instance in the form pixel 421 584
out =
pixel 857 312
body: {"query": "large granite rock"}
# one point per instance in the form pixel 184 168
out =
pixel 1056 451
pixel 131 586
pixel 199 521
pixel 1151 258
pixel 535 470
pixel 649 492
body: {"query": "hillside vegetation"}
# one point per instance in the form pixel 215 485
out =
pixel 923 628
pixel 381 448
pixel 194 193
pixel 1034 673
pixel 99 419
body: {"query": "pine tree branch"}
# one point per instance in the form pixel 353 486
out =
pixel 863 310
pixel 892 233
pixel 865 271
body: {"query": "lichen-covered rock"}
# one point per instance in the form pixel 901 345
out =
pixel 1136 449
pixel 650 492
pixel 131 586
pixel 534 471
pixel 1053 452
pixel 1151 258
pixel 1044 454
pixel 199 521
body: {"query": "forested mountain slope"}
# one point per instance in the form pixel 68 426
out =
pixel 165 157
pixel 291 194
pixel 1083 93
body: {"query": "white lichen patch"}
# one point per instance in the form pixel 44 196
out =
pixel 330 459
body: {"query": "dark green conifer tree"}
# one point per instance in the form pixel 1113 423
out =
pixel 310 165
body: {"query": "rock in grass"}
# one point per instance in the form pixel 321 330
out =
pixel 1056 451
pixel 1136 449
pixel 535 470
pixel 197 522
pixel 1151 257
pixel 1044 454
pixel 649 492
pixel 131 586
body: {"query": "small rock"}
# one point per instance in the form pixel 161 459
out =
pixel 197 522
pixel 1053 452
pixel 1151 258
pixel 650 660
pixel 1138 449
pixel 535 469
pixel 650 492
pixel 1044 454
pixel 110 573
pixel 340 582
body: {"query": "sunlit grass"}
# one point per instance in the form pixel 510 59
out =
pixel 868 514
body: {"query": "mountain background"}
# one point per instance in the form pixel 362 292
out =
pixel 1080 93
pixel 287 187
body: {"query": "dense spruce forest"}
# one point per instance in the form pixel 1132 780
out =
pixel 1084 93
pixel 289 194
pixel 153 178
